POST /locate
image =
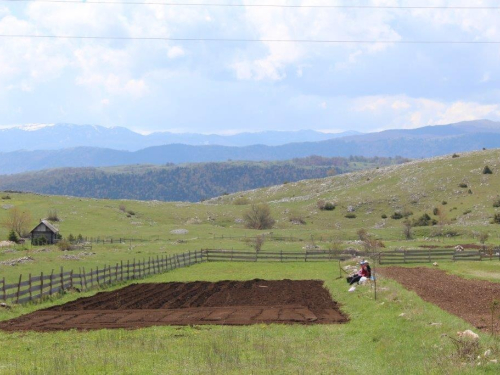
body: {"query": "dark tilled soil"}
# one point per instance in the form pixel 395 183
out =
pixel 468 299
pixel 223 302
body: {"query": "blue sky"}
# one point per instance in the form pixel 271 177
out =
pixel 224 88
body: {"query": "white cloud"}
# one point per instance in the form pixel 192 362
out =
pixel 405 112
pixel 175 52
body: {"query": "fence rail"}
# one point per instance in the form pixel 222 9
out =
pixel 33 288
pixel 280 256
pixel 429 256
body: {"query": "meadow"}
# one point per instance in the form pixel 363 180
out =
pixel 377 339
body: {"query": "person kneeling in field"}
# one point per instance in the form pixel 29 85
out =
pixel 364 272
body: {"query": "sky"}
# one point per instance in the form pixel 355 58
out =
pixel 231 87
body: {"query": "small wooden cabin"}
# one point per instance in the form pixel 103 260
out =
pixel 45 230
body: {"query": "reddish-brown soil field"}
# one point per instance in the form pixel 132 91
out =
pixel 468 299
pixel 222 303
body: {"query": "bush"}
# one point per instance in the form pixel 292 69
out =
pixel 350 216
pixel 241 201
pixel 467 212
pixel 131 213
pixel 435 211
pixel 325 206
pixel 52 215
pixel 384 216
pixel 64 245
pixel 462 185
pixel 259 217
pixel 424 221
pixel 444 203
pixel 329 206
pixel 487 170
pixel 455 156
pixel 122 208
pixel 496 203
pixel 5 197
pixel 296 218
pixel 496 219
pixel 13 236
pixel 71 238
pixel 397 215
pixel 40 241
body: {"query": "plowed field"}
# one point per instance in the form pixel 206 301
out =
pixel 223 302
pixel 468 299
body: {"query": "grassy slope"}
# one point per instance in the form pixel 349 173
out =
pixel 376 341
pixel 417 186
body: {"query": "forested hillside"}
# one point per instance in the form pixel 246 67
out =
pixel 191 182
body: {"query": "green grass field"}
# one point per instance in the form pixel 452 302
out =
pixel 376 340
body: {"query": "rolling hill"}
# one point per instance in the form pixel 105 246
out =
pixel 191 182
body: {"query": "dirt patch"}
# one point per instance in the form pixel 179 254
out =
pixel 222 303
pixel 465 298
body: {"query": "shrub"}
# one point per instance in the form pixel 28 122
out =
pixel 424 221
pixel 407 230
pixel 40 241
pixel 5 197
pixel 487 170
pixel 467 212
pixel 122 208
pixel 470 191
pixel 241 201
pixel 350 215
pixel 258 217
pixel 79 238
pixel 64 245
pixel 297 218
pixel 329 206
pixel 455 156
pixel 397 215
pixel 462 185
pixel 131 213
pixel 52 215
pixel 71 238
pixel 258 242
pixel 444 203
pixel 321 204
pixel 435 211
pixel 13 236
pixel 384 216
pixel 496 219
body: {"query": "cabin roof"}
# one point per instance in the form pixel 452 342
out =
pixel 52 228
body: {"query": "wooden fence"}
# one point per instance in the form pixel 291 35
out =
pixel 280 256
pixel 33 288
pixel 429 256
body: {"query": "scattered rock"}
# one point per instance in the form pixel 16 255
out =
pixel 487 353
pixel 436 324
pixel 402 315
pixel 15 262
pixel 435 264
pixel 6 243
pixel 468 334
pixel 194 220
pixel 310 247
pixel 179 231
pixel 239 221
pixel 7 206
pixel 4 306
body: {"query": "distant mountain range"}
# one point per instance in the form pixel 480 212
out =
pixel 412 143
pixel 61 136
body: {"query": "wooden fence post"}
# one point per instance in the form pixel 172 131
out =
pixel 71 279
pixel 84 277
pixel 133 270
pixel 41 286
pixel 29 284
pixel 19 288
pixel 62 279
pixel 121 270
pixel 50 284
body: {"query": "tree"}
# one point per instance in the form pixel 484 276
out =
pixel 13 236
pixel 258 242
pixel 407 229
pixel 483 237
pixel 258 217
pixel 487 170
pixel 18 221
